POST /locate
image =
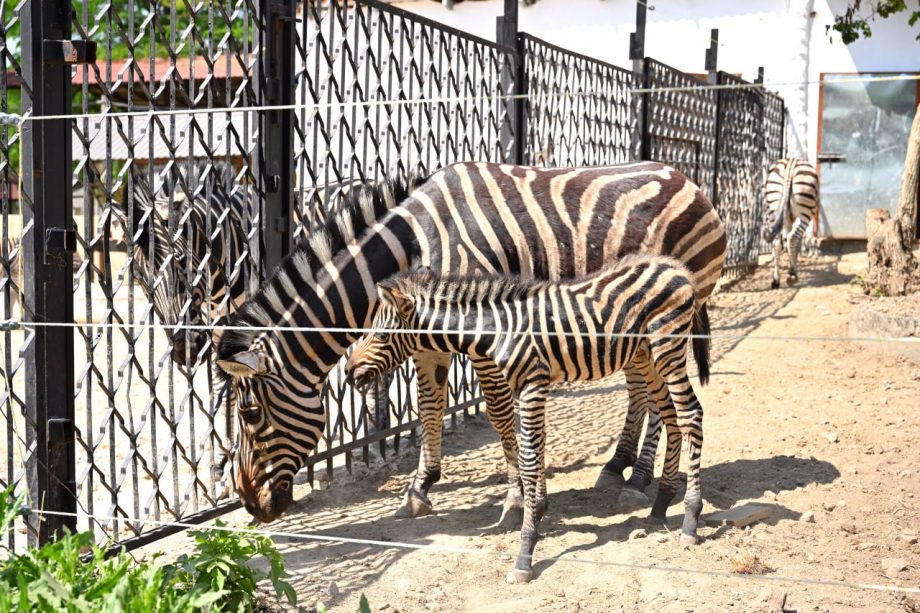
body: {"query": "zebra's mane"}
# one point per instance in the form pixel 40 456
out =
pixel 363 206
pixel 497 288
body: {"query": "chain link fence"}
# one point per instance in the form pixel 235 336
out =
pixel 208 141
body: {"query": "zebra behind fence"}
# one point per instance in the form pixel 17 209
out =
pixel 790 204
pixel 191 254
pixel 467 218
pixel 639 311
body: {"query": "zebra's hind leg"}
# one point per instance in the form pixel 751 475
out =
pixel 500 411
pixel 625 455
pixel 795 246
pixel 688 416
pixel 431 370
pixel 663 412
pixel 531 458
pixel 777 253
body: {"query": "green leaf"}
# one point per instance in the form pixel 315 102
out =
pixel 363 605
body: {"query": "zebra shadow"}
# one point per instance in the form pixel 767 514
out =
pixel 762 481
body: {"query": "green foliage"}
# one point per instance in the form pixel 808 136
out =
pixel 853 24
pixel 219 564
pixel 72 574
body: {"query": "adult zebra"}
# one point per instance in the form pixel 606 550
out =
pixel 790 203
pixel 466 218
pixel 640 310
pixel 191 252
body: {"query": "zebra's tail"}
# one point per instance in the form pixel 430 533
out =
pixel 701 343
pixel 783 204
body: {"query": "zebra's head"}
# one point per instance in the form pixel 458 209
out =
pixel 388 346
pixel 169 240
pixel 283 342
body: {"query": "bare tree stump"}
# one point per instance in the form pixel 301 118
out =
pixel 893 269
pixel 892 266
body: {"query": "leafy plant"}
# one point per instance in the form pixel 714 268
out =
pixel 73 574
pixel 220 564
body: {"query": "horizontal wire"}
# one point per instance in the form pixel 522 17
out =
pixel 10 324
pixel 15 119
pixel 429 547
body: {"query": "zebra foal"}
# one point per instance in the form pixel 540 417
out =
pixel 790 203
pixel 639 311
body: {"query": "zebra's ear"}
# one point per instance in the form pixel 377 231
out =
pixel 397 299
pixel 245 364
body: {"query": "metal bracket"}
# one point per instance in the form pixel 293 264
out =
pixel 60 430
pixel 60 240
pixel 69 51
pixel 281 224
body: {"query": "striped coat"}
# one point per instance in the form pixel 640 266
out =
pixel 790 203
pixel 466 218
pixel 638 311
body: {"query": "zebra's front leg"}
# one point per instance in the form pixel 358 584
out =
pixel 500 411
pixel 777 253
pixel 625 454
pixel 431 370
pixel 531 460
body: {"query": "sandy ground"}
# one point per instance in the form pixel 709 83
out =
pixel 822 428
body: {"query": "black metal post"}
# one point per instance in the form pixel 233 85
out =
pixel 48 265
pixel 521 104
pixel 712 67
pixel 640 67
pixel 506 35
pixel 274 79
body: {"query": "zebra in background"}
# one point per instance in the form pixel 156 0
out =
pixel 195 269
pixel 641 311
pixel 790 203
pixel 467 218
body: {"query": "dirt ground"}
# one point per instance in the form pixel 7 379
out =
pixel 822 428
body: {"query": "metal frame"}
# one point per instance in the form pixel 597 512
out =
pixel 104 420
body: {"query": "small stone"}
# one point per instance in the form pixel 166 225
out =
pixel 828 506
pixel 808 517
pixel 639 533
pixel 848 528
pixel 892 566
pixel 662 538
pixel 832 437
pixel 841 504
pixel 910 539
pixel 333 589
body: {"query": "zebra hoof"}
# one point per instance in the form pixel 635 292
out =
pixel 609 480
pixel 774 284
pixel 415 504
pixel 632 499
pixel 688 540
pixel 791 279
pixel 519 576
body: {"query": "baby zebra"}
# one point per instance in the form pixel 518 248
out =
pixel 640 310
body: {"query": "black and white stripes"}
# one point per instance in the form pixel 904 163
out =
pixel 640 311
pixel 467 218
pixel 790 203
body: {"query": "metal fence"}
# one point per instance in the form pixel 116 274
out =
pixel 303 99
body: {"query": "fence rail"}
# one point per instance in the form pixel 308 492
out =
pixel 122 421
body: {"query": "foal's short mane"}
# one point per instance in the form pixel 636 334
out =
pixel 363 206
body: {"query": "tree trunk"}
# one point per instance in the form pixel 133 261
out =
pixel 893 269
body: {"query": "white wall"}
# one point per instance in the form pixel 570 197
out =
pixel 787 37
